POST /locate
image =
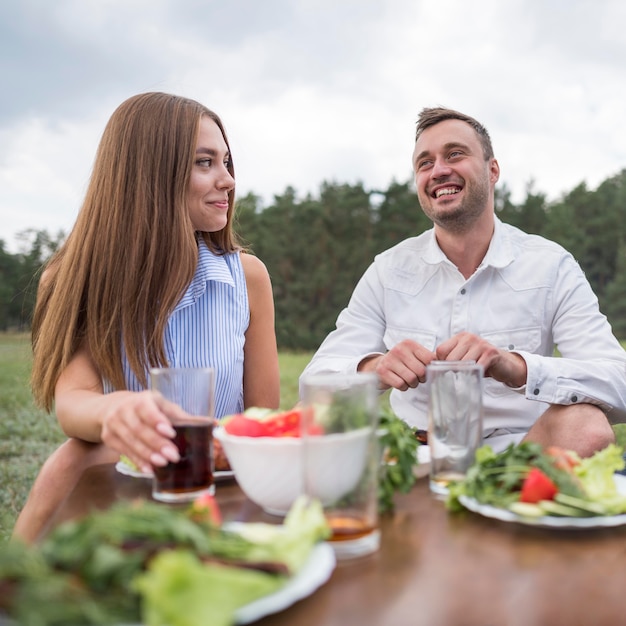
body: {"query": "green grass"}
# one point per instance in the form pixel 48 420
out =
pixel 291 366
pixel 28 435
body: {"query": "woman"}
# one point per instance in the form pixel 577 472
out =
pixel 150 275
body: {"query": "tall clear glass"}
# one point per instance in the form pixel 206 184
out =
pixel 455 419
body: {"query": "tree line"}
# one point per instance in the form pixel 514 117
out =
pixel 316 247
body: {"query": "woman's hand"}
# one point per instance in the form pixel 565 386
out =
pixel 136 425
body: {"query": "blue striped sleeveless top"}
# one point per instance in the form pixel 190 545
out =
pixel 207 328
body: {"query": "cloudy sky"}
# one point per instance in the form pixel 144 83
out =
pixel 310 90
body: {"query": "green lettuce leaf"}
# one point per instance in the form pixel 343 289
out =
pixel 179 590
pixel 596 476
pixel 290 543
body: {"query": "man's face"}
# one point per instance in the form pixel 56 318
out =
pixel 454 182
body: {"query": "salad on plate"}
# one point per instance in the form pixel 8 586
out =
pixel 529 484
pixel 141 562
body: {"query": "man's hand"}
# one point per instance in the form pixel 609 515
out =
pixel 507 367
pixel 402 367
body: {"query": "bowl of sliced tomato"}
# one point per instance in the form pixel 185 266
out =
pixel 264 449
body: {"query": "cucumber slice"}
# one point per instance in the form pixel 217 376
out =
pixel 259 413
pixel 593 508
pixel 526 509
pixel 550 507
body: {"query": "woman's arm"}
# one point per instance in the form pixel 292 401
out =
pixel 132 423
pixel 261 378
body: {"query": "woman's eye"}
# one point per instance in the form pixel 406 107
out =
pixel 204 162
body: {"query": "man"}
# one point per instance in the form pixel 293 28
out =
pixel 475 288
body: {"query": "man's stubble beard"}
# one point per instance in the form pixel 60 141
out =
pixel 462 218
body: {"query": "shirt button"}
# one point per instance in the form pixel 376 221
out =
pixel 536 392
pixel 511 346
pixel 463 291
pixel 574 398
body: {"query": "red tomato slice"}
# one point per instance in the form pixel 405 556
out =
pixel 286 424
pixel 563 459
pixel 315 429
pixel 243 426
pixel 537 486
pixel 205 508
pixel 277 424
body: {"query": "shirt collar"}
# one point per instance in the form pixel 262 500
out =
pixel 499 253
pixel 211 267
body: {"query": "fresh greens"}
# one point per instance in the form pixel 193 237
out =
pixel 290 543
pixel 82 574
pixel 596 475
pixel 126 461
pixel 34 593
pixel 399 444
pixel 585 485
pixel 179 590
pixel 341 412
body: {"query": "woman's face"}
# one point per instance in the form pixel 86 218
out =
pixel 210 182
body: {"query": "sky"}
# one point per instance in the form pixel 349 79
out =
pixel 310 90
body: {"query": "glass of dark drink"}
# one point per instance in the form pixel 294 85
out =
pixel 193 390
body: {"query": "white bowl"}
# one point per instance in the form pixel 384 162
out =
pixel 335 464
pixel 269 469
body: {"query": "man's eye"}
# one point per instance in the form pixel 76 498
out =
pixel 423 164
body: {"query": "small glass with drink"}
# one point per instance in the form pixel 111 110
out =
pixel 192 389
pixel 341 457
pixel 455 420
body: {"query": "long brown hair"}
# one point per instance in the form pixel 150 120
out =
pixel 132 251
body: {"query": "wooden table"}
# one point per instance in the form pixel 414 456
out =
pixel 434 568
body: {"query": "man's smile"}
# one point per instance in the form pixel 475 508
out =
pixel 446 191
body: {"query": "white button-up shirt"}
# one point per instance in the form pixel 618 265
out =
pixel 528 295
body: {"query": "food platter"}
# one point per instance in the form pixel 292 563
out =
pixel 549 521
pixel 127 470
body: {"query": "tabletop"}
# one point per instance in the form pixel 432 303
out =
pixel 433 568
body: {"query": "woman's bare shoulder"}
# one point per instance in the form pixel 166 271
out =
pixel 253 267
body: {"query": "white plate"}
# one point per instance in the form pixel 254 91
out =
pixel 549 521
pixel 127 470
pixel 315 572
pixel 223 475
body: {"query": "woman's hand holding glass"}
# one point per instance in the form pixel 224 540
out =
pixel 135 424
